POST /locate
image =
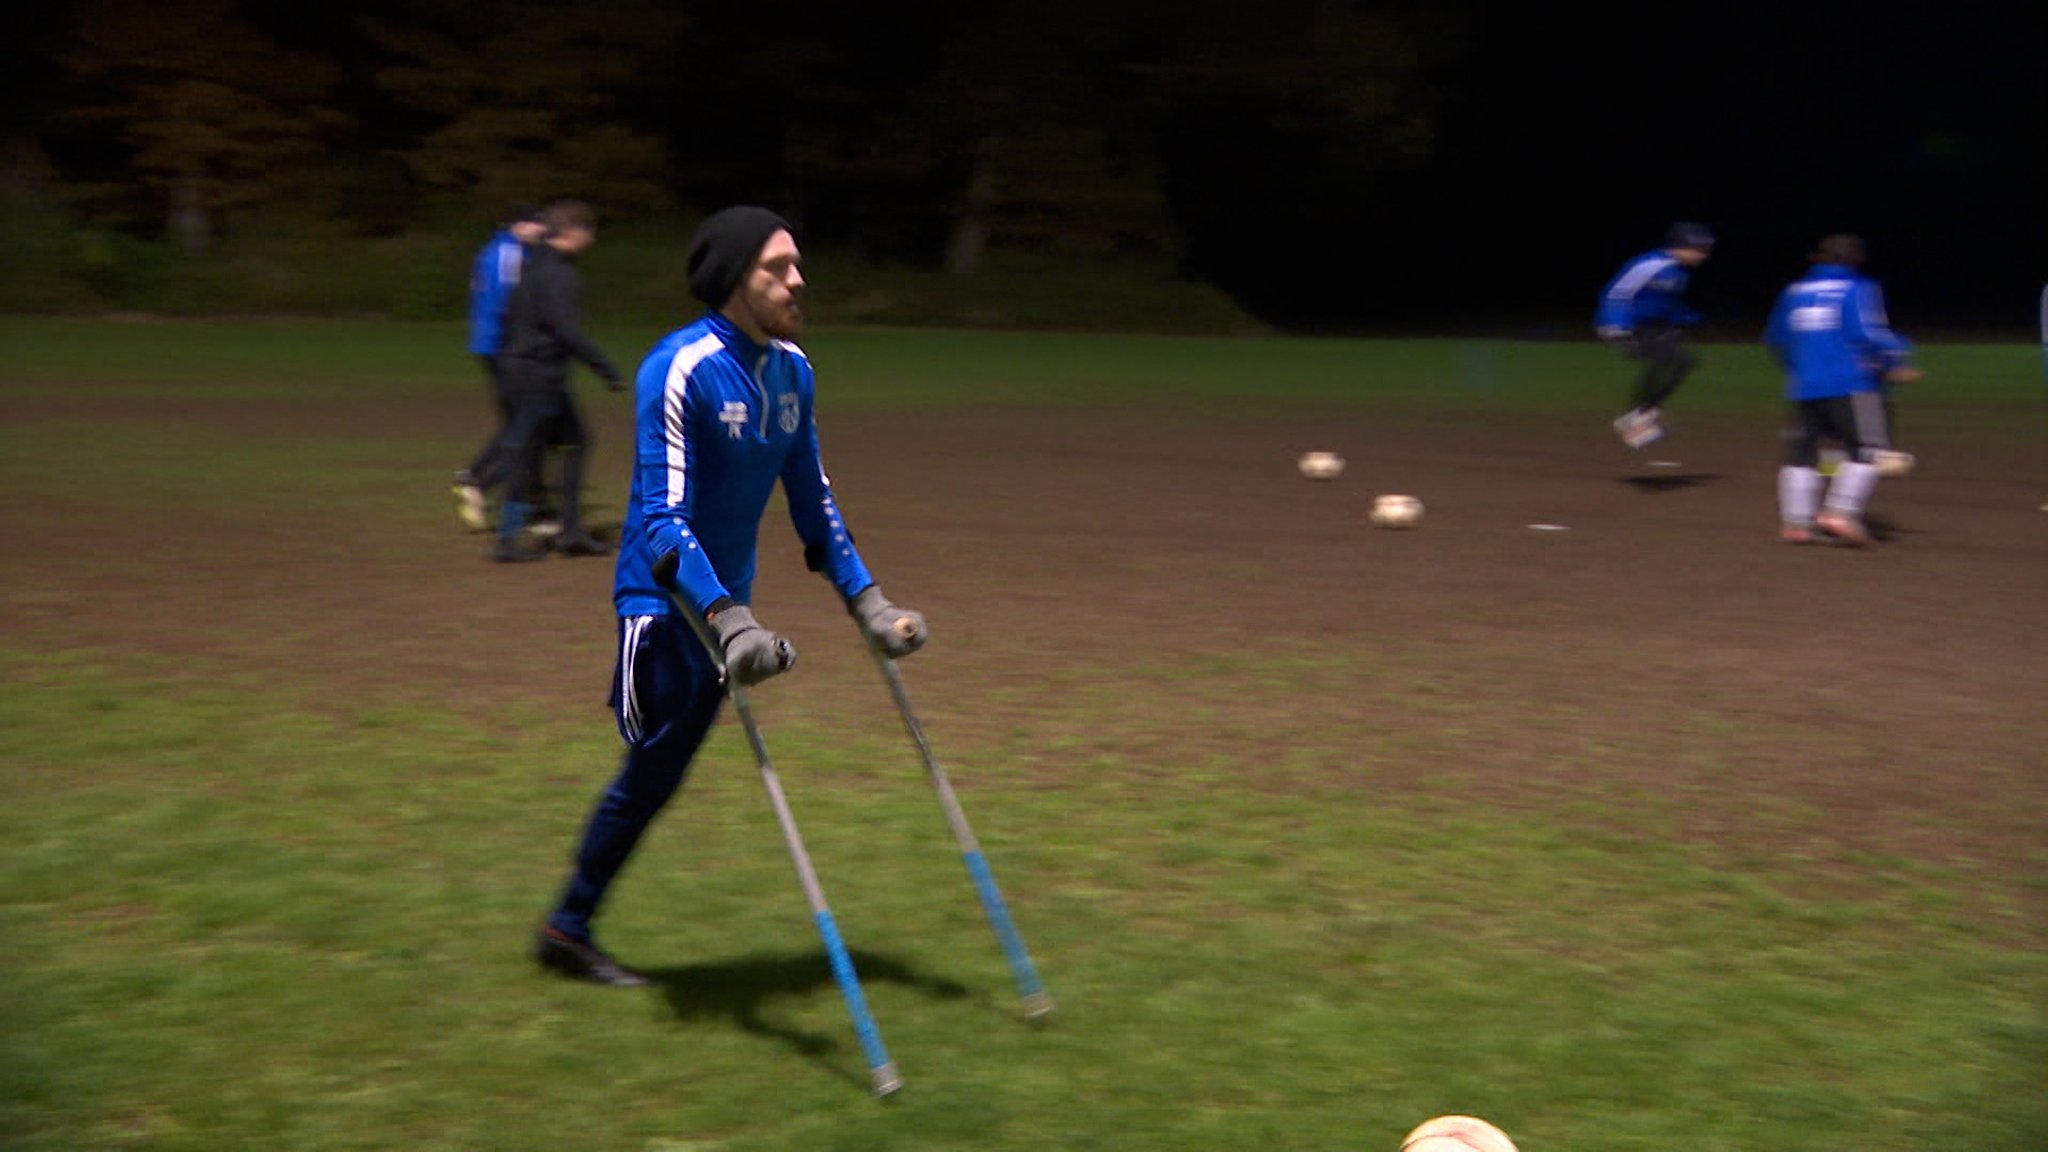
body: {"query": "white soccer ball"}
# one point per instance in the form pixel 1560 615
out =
pixel 1396 511
pixel 1893 464
pixel 1322 465
pixel 1457 1134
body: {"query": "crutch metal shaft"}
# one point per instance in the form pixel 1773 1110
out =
pixel 1036 1001
pixel 881 1070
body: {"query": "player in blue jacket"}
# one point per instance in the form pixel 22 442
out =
pixel 1830 334
pixel 1643 311
pixel 723 411
pixel 492 276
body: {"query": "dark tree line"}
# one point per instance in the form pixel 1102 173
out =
pixel 1452 162
pixel 1087 129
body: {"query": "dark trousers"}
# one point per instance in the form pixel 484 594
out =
pixel 487 470
pixel 542 417
pixel 1857 421
pixel 666 693
pixel 1666 364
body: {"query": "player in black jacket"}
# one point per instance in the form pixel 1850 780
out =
pixel 543 331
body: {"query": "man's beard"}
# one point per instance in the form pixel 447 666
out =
pixel 785 323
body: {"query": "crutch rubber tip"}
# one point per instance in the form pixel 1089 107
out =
pixel 1038 1007
pixel 887 1080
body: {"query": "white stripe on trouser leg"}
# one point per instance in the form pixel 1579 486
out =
pixel 1853 482
pixel 1798 494
pixel 629 692
pixel 1871 432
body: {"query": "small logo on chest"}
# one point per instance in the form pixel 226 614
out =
pixel 787 413
pixel 734 416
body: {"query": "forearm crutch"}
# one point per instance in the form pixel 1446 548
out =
pixel 881 1069
pixel 1031 993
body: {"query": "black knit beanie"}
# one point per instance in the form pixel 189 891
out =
pixel 1840 248
pixel 724 248
pixel 1688 235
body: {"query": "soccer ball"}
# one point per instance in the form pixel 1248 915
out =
pixel 1892 464
pixel 1322 465
pixel 1396 511
pixel 1457 1134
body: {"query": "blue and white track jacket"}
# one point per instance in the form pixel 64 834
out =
pixel 491 279
pixel 1649 289
pixel 1830 333
pixel 718 419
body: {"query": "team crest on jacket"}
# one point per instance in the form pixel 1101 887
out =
pixel 788 415
pixel 734 416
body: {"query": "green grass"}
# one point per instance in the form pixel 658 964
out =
pixel 284 266
pixel 250 909
pixel 881 368
pixel 237 921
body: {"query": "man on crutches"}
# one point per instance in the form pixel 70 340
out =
pixel 722 411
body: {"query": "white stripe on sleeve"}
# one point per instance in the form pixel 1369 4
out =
pixel 1870 308
pixel 1632 281
pixel 675 425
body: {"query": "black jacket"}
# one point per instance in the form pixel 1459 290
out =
pixel 543 324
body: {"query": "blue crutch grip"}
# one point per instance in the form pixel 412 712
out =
pixel 880 1067
pixel 1036 1002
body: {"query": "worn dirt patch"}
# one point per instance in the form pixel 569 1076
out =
pixel 1114 586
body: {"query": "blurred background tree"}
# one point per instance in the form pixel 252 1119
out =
pixel 155 148
pixel 213 115
pixel 520 100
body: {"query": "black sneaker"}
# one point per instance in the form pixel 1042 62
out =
pixel 582 960
pixel 513 552
pixel 580 543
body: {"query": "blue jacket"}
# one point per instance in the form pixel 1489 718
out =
pixel 491 279
pixel 1649 289
pixel 1830 334
pixel 718 419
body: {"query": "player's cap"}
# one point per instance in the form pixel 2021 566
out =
pixel 724 248
pixel 1840 248
pixel 1690 236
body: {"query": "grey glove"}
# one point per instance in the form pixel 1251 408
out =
pixel 897 631
pixel 752 653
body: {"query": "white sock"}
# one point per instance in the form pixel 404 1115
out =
pixel 1853 482
pixel 1798 494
